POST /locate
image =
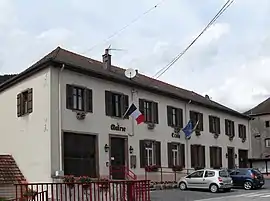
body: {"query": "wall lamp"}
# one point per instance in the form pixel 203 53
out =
pixel 131 149
pixel 106 147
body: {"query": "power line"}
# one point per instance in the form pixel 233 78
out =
pixel 126 26
pixel 169 65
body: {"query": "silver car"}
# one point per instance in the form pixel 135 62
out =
pixel 211 179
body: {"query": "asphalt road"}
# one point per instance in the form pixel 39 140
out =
pixel 199 195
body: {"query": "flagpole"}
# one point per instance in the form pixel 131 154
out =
pixel 132 120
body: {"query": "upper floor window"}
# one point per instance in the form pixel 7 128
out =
pixel 195 117
pixel 175 117
pixel 242 133
pixel 267 142
pixel 116 104
pixel 79 98
pixel 176 154
pixel 214 124
pixel 25 102
pixel 229 128
pixel 150 111
pixel 267 124
pixel 150 153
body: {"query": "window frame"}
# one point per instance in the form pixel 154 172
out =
pixel 242 131
pixel 198 152
pixel 25 102
pixel 196 116
pixel 174 117
pixel 267 124
pixel 215 155
pixel 267 142
pixel 214 124
pixel 150 153
pixel 150 110
pixel 229 128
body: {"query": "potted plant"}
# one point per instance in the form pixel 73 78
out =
pixel 85 181
pixel 104 184
pixel 29 194
pixel 69 180
pixel 176 168
pixel 197 132
pixel 151 168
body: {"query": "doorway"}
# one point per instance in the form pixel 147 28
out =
pixel 118 153
pixel 243 158
pixel 231 158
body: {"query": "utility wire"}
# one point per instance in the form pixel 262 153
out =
pixel 125 27
pixel 170 64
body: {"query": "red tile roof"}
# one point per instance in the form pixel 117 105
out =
pixel 9 171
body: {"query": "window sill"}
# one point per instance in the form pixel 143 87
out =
pixel 25 115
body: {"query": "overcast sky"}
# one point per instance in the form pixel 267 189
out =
pixel 230 62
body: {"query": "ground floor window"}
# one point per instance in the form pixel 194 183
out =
pixel 150 153
pixel 215 157
pixel 197 156
pixel 79 154
pixel 176 154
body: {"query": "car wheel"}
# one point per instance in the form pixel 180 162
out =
pixel 247 185
pixel 227 189
pixel 182 186
pixel 213 188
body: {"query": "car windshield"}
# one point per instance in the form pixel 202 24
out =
pixel 223 173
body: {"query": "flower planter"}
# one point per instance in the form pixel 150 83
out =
pixel 153 168
pixel 177 168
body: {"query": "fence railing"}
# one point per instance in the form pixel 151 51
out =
pixel 138 190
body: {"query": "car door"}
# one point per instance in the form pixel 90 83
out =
pixel 195 179
pixel 208 178
pixel 238 177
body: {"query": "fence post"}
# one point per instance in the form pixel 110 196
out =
pixel 161 175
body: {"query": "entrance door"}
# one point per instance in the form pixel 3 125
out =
pixel 243 158
pixel 118 159
pixel 231 159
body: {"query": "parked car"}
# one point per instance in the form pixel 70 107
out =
pixel 211 179
pixel 249 178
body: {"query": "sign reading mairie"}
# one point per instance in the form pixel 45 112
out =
pixel 118 128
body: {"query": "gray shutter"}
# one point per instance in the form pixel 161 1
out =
pixel 203 156
pixel 108 103
pixel 30 101
pixel 218 125
pixel 211 157
pixel 69 97
pixel 141 105
pixel 201 121
pixel 233 130
pixel 182 155
pixel 220 156
pixel 142 154
pixel 192 117
pixel 155 113
pixel 88 100
pixel 226 126
pixel 193 155
pixel 179 117
pixel 170 156
pixel 19 105
pixel 126 105
pixel 169 115
pixel 245 132
pixel 210 124
pixel 158 153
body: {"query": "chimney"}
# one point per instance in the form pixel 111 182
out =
pixel 106 60
pixel 206 96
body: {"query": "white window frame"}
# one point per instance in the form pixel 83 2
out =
pixel 150 152
pixel 175 154
pixel 267 142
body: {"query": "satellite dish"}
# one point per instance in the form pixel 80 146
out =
pixel 130 73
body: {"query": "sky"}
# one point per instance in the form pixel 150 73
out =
pixel 230 62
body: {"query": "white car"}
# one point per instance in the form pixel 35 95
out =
pixel 211 179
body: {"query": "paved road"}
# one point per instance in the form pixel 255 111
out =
pixel 198 195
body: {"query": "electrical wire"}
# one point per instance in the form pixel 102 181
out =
pixel 175 59
pixel 125 27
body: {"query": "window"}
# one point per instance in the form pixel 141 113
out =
pixel 197 174
pixel 176 154
pixel 116 104
pixel 215 157
pixel 242 131
pixel 195 117
pixel 267 124
pixel 267 142
pixel 150 153
pixel 197 156
pixel 214 125
pixel 229 128
pixel 209 174
pixel 150 111
pixel 79 98
pixel 79 154
pixel 175 117
pixel 25 102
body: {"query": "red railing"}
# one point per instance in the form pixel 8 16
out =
pixel 138 190
pixel 125 171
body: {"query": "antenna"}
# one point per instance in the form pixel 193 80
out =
pixel 109 48
pixel 130 73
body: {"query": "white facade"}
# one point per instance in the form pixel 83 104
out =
pixel 34 139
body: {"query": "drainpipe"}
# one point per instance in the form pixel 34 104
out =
pixel 60 117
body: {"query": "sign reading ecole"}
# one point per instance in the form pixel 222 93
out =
pixel 118 128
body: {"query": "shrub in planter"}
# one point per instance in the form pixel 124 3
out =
pixel 29 194
pixel 86 181
pixel 198 168
pixel 104 184
pixel 177 168
pixel 69 180
pixel 151 168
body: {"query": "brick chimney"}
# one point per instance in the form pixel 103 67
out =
pixel 106 60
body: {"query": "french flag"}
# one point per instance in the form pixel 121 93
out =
pixel 135 113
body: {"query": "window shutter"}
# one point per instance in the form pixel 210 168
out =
pixel 211 157
pixel 141 105
pixel 182 155
pixel 108 103
pixel 88 100
pixel 239 131
pixel 30 101
pixel 158 153
pixel 201 121
pixel 170 155
pixel 193 155
pixel 210 124
pixel 155 113
pixel 169 115
pixel 179 115
pixel 69 98
pixel 233 132
pixel 244 132
pixel 19 104
pixel 218 125
pixel 226 126
pixel 192 117
pixel 220 156
pixel 202 163
pixel 142 154
pixel 126 105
